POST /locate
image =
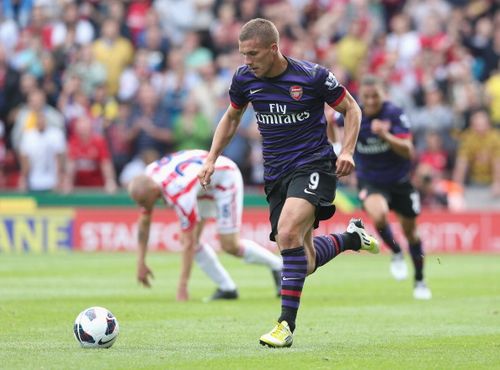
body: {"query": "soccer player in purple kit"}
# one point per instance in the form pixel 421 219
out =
pixel 300 167
pixel 383 156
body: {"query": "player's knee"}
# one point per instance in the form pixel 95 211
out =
pixel 230 246
pixel 288 238
pixel 232 250
pixel 378 216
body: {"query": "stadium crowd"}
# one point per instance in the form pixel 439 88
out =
pixel 93 91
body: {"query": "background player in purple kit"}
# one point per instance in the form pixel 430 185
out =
pixel 300 167
pixel 383 162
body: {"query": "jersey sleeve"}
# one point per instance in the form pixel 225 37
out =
pixel 329 88
pixel 236 93
pixel 400 124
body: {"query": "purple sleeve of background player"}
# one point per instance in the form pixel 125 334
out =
pixel 400 125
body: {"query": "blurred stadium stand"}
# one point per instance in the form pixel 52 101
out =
pixel 124 63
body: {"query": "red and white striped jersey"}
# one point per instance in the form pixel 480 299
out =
pixel 177 174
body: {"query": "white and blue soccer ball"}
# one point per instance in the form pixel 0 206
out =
pixel 96 327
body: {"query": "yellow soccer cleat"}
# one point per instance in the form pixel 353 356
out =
pixel 280 337
pixel 368 242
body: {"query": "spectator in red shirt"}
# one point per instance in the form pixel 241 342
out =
pixel 435 155
pixel 89 162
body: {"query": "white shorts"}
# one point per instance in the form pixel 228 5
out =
pixel 224 201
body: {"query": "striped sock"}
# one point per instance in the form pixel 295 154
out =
pixel 417 256
pixel 292 280
pixel 327 248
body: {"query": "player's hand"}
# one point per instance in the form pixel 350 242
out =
pixel 345 164
pixel 380 127
pixel 143 273
pixel 182 293
pixel 205 174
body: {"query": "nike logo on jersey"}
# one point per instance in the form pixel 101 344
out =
pixel 307 191
pixel 255 91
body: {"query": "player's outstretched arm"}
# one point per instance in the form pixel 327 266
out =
pixel 402 146
pixel 143 271
pixel 352 122
pixel 227 127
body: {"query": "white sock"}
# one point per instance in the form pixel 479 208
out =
pixel 255 253
pixel 208 261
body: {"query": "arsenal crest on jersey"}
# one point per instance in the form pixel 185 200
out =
pixel 296 92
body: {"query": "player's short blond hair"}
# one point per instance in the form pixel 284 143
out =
pixel 262 29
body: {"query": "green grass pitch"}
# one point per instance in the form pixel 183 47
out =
pixel 353 315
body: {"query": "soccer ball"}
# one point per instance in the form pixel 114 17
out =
pixel 96 327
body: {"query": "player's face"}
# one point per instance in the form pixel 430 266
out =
pixel 257 56
pixel 372 98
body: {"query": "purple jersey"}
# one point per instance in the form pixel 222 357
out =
pixel 375 160
pixel 289 109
